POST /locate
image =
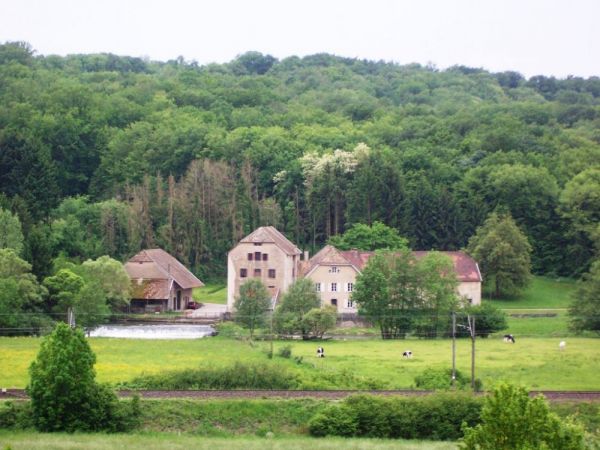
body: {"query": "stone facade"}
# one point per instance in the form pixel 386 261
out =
pixel 332 271
pixel 265 255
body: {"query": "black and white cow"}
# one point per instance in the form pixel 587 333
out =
pixel 407 354
pixel 509 338
pixel 320 352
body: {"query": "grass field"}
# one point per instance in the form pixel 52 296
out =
pixel 520 325
pixel 211 293
pixel 172 441
pixel 534 362
pixel 542 293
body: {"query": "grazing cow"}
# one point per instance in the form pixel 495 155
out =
pixel 562 345
pixel 320 352
pixel 407 354
pixel 509 338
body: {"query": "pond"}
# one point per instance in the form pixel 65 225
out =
pixel 147 331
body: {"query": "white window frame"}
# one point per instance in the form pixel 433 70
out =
pixel 350 287
pixel 318 287
pixel 333 287
pixel 350 303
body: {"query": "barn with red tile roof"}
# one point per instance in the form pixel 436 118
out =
pixel 159 282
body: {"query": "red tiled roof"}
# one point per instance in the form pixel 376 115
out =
pixel 466 268
pixel 271 235
pixel 155 265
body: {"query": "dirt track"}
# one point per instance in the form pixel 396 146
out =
pixel 550 395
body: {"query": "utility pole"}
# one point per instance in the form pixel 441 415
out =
pixel 71 317
pixel 453 349
pixel 271 333
pixel 472 330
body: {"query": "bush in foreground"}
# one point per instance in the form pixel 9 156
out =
pixel 63 390
pixel 513 420
pixel 437 417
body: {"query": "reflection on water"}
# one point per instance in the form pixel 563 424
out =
pixel 153 331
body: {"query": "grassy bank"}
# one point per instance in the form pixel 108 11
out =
pixel 257 423
pixel 211 293
pixel 171 441
pixel 530 323
pixel 542 293
pixel 533 362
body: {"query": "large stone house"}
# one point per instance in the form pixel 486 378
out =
pixel 266 255
pixel 159 282
pixel 334 274
pixel 332 271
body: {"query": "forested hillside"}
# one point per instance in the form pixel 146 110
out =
pixel 102 154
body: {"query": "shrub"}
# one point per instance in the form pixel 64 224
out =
pixel 238 376
pixel 334 421
pixel 285 351
pixel 510 419
pixel 16 415
pixel 319 321
pixel 437 417
pixel 489 319
pixel 440 379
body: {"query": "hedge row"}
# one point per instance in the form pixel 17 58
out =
pixel 438 417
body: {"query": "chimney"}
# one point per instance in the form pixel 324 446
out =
pixel 305 255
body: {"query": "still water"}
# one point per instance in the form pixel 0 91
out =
pixel 153 331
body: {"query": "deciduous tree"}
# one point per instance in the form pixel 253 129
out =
pixel 503 253
pixel 365 237
pixel 252 305
pixel 585 307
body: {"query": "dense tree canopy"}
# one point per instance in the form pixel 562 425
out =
pixel 364 237
pixel 104 155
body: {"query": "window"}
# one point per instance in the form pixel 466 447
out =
pixel 350 287
pixel 350 304
pixel 318 287
pixel 333 287
pixel 257 272
pixel 334 302
pixel 265 256
pixel 271 273
pixel 257 256
pixel 333 269
pixel 249 256
pixel 243 273
pixel 257 244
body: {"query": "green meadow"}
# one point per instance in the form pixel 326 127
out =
pixel 534 362
pixel 171 441
pixel 211 293
pixel 542 293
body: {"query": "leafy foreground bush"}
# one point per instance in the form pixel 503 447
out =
pixel 512 420
pixel 238 376
pixel 64 393
pixel 435 417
